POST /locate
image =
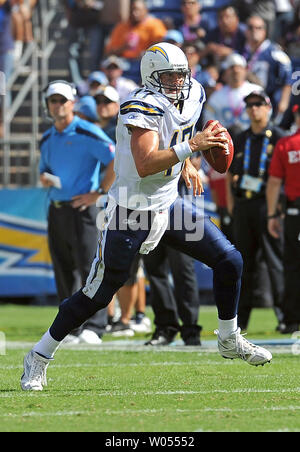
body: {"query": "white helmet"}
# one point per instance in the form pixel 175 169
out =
pixel 165 57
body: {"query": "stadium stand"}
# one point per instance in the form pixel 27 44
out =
pixel 23 112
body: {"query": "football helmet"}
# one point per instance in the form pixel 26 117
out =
pixel 161 58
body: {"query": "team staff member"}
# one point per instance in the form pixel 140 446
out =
pixel 72 150
pixel 285 169
pixel 247 180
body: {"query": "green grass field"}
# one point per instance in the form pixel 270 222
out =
pixel 124 387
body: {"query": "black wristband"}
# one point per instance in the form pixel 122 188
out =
pixel 101 191
pixel 275 215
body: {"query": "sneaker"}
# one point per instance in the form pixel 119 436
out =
pixel 89 337
pixel 160 337
pixel 141 324
pixel 70 339
pixel 120 329
pixel 236 346
pixel 35 368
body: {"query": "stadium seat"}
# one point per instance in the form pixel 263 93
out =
pixel 166 9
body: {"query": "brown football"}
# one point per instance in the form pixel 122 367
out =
pixel 219 159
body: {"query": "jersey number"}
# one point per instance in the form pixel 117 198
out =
pixel 186 134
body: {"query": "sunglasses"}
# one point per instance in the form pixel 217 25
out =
pixel 103 100
pixel 259 27
pixel 256 104
pixel 58 101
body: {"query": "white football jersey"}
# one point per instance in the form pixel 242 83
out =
pixel 148 109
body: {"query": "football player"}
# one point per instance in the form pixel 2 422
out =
pixel 155 138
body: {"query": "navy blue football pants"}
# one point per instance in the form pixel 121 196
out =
pixel 120 244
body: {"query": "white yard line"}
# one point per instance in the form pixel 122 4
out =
pixel 154 393
pixel 149 411
pixel 138 346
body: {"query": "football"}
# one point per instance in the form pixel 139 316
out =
pixel 219 159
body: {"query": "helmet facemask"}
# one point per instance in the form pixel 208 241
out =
pixel 173 92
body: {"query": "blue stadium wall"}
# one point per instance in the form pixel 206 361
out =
pixel 25 262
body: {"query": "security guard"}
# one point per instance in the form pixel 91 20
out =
pixel 247 180
pixel 285 169
pixel 71 153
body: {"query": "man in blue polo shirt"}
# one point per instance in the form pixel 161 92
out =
pixel 72 151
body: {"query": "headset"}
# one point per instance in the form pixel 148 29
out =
pixel 45 101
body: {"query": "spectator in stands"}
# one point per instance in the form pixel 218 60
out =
pixel 96 80
pixel 6 51
pixel 72 150
pixel 194 27
pixel 174 37
pixel 227 104
pixel 83 18
pixel 86 108
pixel 208 77
pixel 227 38
pixel 270 64
pixel 108 105
pixel 284 19
pixel 113 12
pixel 291 40
pixel 6 38
pixel 113 67
pixel 131 38
pixel 265 9
pixel 22 24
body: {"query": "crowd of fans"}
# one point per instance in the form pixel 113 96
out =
pixel 233 49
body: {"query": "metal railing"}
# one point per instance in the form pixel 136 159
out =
pixel 35 76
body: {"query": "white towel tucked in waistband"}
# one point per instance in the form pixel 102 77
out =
pixel 158 228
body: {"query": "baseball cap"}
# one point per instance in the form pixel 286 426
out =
pixel 63 88
pixel 174 35
pixel 110 92
pixel 98 76
pixel 113 59
pixel 262 94
pixel 87 106
pixel 235 59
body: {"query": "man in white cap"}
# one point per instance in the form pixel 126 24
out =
pixel 114 67
pixel 227 105
pixel 71 153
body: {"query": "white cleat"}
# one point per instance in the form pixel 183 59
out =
pixel 142 326
pixel 236 346
pixel 89 337
pixel 35 368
